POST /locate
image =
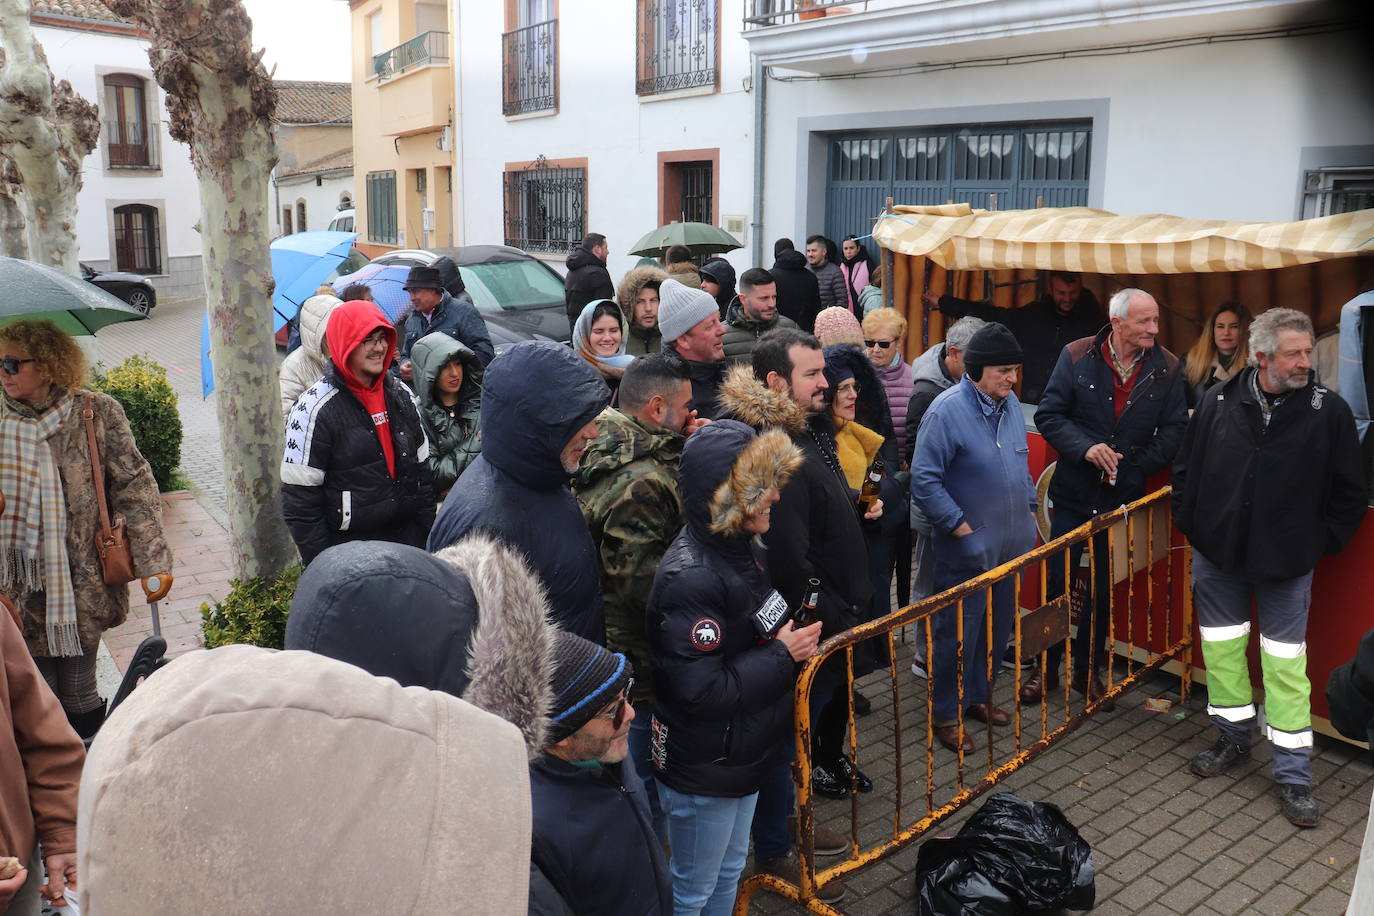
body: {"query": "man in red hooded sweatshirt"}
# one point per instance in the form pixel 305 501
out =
pixel 355 463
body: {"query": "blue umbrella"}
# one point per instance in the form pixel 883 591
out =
pixel 300 263
pixel 386 282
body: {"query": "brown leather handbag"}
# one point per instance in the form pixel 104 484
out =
pixel 111 541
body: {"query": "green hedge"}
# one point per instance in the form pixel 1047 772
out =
pixel 141 387
pixel 254 611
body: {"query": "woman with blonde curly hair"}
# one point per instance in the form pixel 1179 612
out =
pixel 49 564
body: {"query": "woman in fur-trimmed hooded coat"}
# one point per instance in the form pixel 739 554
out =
pixel 724 683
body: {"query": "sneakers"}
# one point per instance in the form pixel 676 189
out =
pixel 833 781
pixel 918 668
pixel 1219 758
pixel 1298 805
pixel 788 868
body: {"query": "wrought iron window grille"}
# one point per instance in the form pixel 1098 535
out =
pixel 530 68
pixel 677 45
pixel 545 207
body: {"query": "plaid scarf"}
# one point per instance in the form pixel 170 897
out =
pixel 33 530
pixel 1266 407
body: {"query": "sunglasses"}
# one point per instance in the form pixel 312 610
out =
pixel 622 707
pixel 10 366
pixel 883 344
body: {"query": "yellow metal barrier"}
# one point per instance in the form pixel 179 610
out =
pixel 1165 638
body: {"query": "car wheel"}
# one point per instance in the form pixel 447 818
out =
pixel 140 299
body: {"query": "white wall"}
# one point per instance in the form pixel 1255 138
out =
pixel 82 58
pixel 1208 131
pixel 321 204
pixel 599 118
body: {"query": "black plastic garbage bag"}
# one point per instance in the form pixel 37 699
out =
pixel 1012 857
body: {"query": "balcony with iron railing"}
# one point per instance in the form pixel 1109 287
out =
pixel 761 13
pixel 427 48
pixel 131 144
pixel 415 81
pixel 677 46
pixel 529 69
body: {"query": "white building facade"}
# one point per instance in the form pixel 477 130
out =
pixel 139 201
pixel 815 111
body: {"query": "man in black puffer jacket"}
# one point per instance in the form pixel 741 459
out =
pixel 540 401
pixel 587 279
pixel 799 293
pixel 355 466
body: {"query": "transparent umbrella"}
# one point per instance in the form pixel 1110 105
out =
pixel 37 291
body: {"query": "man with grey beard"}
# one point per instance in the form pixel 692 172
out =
pixel 1267 482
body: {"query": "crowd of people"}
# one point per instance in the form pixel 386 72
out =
pixel 620 550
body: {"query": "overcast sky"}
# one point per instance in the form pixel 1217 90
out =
pixel 305 39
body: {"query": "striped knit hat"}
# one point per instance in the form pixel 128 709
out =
pixel 586 679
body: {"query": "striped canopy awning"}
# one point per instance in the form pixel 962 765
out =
pixel 1084 240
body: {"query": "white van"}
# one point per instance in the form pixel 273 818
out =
pixel 342 221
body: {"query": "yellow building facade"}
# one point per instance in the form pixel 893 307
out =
pixel 403 124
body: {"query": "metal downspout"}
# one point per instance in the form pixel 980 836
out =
pixel 760 81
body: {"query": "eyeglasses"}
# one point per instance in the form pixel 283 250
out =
pixel 622 706
pixel 883 344
pixel 10 366
pixel 847 387
pixel 376 338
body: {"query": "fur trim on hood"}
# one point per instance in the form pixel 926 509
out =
pixel 510 661
pixel 766 463
pixel 750 401
pixel 685 273
pixel 633 283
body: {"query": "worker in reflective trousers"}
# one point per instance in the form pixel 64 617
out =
pixel 1267 482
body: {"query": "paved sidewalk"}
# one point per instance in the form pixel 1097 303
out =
pixel 200 570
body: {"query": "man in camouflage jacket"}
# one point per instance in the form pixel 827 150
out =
pixel 627 488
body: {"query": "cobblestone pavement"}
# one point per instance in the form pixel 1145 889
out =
pixel 1163 840
pixel 171 337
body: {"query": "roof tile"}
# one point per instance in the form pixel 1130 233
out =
pixel 314 102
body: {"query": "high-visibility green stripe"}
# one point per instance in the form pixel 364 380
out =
pixel 1228 674
pixel 1287 692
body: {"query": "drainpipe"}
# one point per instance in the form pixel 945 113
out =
pixel 457 203
pixel 760 81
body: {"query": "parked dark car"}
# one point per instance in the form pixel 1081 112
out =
pixel 519 296
pixel 135 289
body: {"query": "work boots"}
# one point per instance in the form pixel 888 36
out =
pixel 1219 758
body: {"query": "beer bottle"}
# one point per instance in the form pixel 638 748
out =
pixel 872 478
pixel 806 614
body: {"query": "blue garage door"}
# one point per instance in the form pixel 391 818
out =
pixel 1022 164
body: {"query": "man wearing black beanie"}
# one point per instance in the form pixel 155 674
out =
pixel 971 479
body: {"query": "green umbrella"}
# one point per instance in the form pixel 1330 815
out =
pixel 701 238
pixel 37 291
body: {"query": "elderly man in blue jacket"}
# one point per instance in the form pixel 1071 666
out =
pixel 540 401
pixel 972 480
pixel 434 309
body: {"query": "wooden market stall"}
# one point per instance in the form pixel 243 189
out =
pixel 1189 266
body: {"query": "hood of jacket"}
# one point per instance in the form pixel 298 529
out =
pixel 621 440
pixel 314 318
pixel 726 474
pixel 348 324
pixel 743 397
pixel 175 805
pixel 790 260
pixel 930 367
pixel 871 409
pixel 534 397
pixel 391 609
pixel 633 283
pixel 581 257
pixel 685 273
pixel 582 332
pixel 736 317
pixel 431 354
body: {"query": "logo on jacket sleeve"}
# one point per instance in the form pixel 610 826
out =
pixel 706 634
pixel 658 743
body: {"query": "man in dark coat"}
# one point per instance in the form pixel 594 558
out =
pixel 539 408
pixel 1065 313
pixel 587 279
pixel 1114 411
pixel 356 460
pixel 434 309
pixel 753 313
pixel 799 294
pixel 1267 483
pixel 816 533
pixel 692 333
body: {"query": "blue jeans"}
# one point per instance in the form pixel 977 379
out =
pixel 977 687
pixel 777 801
pixel 640 741
pixel 710 838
